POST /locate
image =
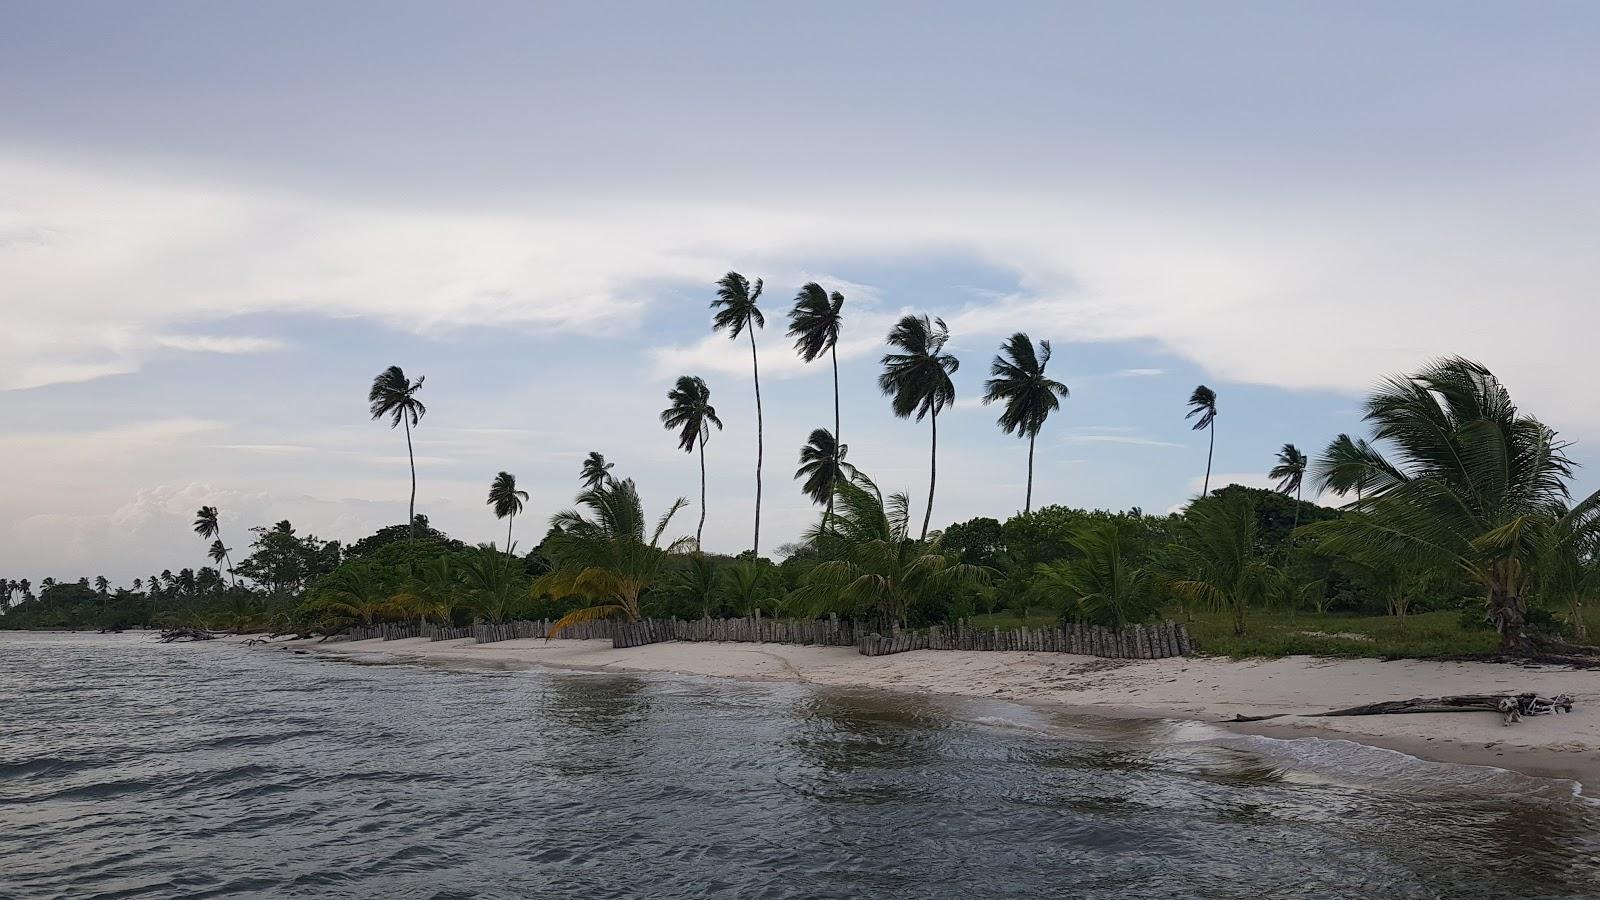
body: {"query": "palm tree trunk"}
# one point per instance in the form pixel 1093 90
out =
pixel 933 473
pixel 1027 502
pixel 1212 431
pixel 702 526
pixel 229 560
pixel 509 520
pixel 411 510
pixel 755 371
pixel 827 514
pixel 1296 526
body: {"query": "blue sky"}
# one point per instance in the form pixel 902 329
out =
pixel 218 221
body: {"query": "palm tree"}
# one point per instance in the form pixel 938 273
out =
pixel 434 589
pixel 823 466
pixel 737 312
pixel 1203 403
pixel 595 470
pixel 356 591
pixel 1103 582
pixel 698 582
pixel 1350 465
pixel 1289 473
pixel 102 585
pixel 218 553
pixel 917 380
pixel 1471 482
pixel 395 396
pixel 495 580
pixel 507 501
pixel 693 415
pixel 1216 560
pixel 1029 396
pixel 814 324
pixel 607 555
pixel 871 566
pixel 208 525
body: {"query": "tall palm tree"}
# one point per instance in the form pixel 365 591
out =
pixel 507 501
pixel 218 553
pixel 1030 397
pixel 208 525
pixel 1289 473
pixel 1471 482
pixel 917 379
pixel 737 312
pixel 395 396
pixel 823 466
pixel 1203 403
pixel 608 555
pixel 595 470
pixel 693 415
pixel 814 324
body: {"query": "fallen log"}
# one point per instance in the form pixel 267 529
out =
pixel 1512 706
pixel 185 634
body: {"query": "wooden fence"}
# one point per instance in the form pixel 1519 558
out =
pixel 828 632
pixel 1156 641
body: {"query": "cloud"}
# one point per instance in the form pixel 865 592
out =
pixel 1140 373
pixel 1134 440
pixel 206 343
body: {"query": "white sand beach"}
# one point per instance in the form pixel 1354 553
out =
pixel 1205 689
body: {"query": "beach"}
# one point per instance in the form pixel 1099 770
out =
pixel 1207 689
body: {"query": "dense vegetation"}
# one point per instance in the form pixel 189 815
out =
pixel 1456 514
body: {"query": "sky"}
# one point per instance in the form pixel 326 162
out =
pixel 218 221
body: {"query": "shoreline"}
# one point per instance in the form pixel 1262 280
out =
pixel 1200 689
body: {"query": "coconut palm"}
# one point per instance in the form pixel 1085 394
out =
pixel 917 379
pixel 356 591
pixel 607 556
pixel 494 580
pixel 595 470
pixel 737 312
pixel 1289 473
pixel 1350 465
pixel 871 566
pixel 698 582
pixel 218 553
pixel 814 324
pixel 1203 403
pixel 1030 397
pixel 435 590
pixel 1216 559
pixel 1104 582
pixel 395 396
pixel 822 465
pixel 692 414
pixel 507 501
pixel 207 524
pixel 1459 474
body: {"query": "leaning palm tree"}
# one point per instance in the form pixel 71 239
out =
pixel 507 501
pixel 208 525
pixel 814 324
pixel 1350 465
pixel 1029 396
pixel 1203 403
pixel 692 414
pixel 872 567
pixel 917 379
pixel 395 396
pixel 1459 474
pixel 823 466
pixel 737 312
pixel 595 470
pixel 608 555
pixel 1289 473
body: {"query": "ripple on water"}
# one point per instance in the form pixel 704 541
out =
pixel 134 769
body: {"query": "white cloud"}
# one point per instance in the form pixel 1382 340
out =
pixel 207 343
pixel 1140 373
pixel 1132 439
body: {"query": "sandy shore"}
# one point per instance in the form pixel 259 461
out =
pixel 1204 689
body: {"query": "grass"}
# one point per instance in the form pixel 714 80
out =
pixel 1275 633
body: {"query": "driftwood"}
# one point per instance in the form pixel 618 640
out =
pixel 1512 706
pixel 186 634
